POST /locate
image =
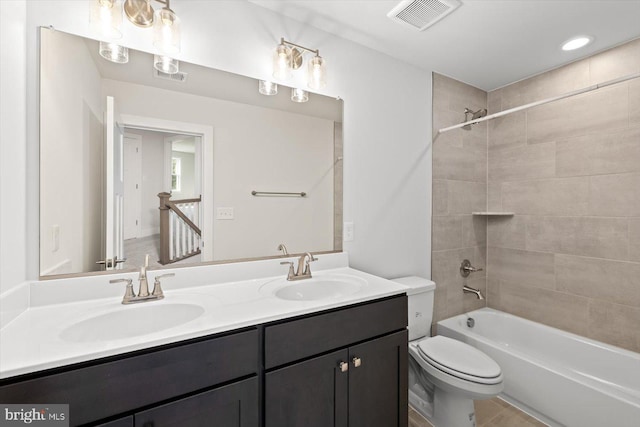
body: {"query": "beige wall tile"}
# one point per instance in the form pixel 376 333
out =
pixel 447 232
pixel 611 281
pixel 508 131
pixel 598 111
pixel 494 196
pixel 443 118
pixel 439 197
pixel 615 195
pixel 518 266
pixel 474 231
pixel 557 309
pixel 450 162
pixel 602 153
pixel 614 63
pixel 566 196
pixel 507 232
pixel 466 197
pixel 528 162
pixel 446 274
pixel 588 236
pixel 494 101
pixel 461 95
pixel 634 239
pixel 634 102
pixel 615 324
pixel 555 82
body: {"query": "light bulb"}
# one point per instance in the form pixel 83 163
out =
pixel 106 18
pixel 317 73
pixel 166 64
pixel 282 62
pixel 114 53
pixel 166 31
pixel 267 88
pixel 299 95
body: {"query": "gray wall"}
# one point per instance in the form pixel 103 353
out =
pixel 459 188
pixel 570 170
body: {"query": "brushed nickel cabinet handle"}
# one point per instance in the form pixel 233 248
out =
pixel 344 366
pixel 357 362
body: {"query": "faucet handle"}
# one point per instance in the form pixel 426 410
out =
pixel 128 293
pixel 292 272
pixel 157 287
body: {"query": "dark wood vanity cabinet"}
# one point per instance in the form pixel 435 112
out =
pixel 131 385
pixel 361 384
pixel 342 367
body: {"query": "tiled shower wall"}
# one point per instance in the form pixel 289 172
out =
pixel 459 188
pixel 570 170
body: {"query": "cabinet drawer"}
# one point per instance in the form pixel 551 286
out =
pixel 232 405
pixel 107 389
pixel 300 338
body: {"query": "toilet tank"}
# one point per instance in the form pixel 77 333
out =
pixel 420 293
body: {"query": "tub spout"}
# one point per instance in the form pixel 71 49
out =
pixel 471 290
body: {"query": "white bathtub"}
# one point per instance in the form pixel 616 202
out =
pixel 558 377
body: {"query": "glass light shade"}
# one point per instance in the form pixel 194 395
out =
pixel 166 64
pixel 114 52
pixel 267 88
pixel 166 31
pixel 105 18
pixel 299 95
pixel 317 73
pixel 282 62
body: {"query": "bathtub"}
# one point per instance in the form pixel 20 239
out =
pixel 558 377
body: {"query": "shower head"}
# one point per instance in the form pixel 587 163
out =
pixel 474 115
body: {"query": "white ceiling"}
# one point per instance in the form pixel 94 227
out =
pixel 485 43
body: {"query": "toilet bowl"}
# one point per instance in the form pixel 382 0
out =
pixel 445 375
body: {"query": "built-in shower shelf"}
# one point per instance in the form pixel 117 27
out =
pixel 493 213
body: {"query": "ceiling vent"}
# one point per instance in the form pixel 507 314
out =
pixel 421 14
pixel 177 77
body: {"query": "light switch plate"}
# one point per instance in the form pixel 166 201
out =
pixel 224 213
pixel 348 232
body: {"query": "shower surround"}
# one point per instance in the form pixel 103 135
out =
pixel 570 171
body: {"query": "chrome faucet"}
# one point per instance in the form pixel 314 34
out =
pixel 143 291
pixel 304 270
pixel 471 290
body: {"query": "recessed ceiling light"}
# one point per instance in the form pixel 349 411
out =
pixel 577 42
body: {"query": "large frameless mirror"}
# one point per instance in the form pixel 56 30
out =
pixel 193 167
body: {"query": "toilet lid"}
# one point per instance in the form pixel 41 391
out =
pixel 460 359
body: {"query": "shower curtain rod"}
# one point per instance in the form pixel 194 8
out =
pixel 544 101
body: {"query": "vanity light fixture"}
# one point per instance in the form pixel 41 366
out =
pixel 166 64
pixel 267 88
pixel 106 21
pixel 289 56
pixel 576 43
pixel 114 52
pixel 299 95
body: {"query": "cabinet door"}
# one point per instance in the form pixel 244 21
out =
pixel 378 382
pixel 312 393
pixel 234 405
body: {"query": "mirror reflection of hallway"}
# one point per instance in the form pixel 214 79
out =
pixel 155 162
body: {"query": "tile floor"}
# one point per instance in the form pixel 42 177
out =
pixel 489 413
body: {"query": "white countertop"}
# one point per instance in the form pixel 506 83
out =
pixel 32 341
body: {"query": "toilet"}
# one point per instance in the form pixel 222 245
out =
pixel 445 375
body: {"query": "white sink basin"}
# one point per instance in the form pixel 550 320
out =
pixel 131 321
pixel 316 288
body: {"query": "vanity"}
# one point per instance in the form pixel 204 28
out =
pixel 256 355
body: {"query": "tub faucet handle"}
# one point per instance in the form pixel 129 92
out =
pixel 466 268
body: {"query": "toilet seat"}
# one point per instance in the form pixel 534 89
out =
pixel 459 360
